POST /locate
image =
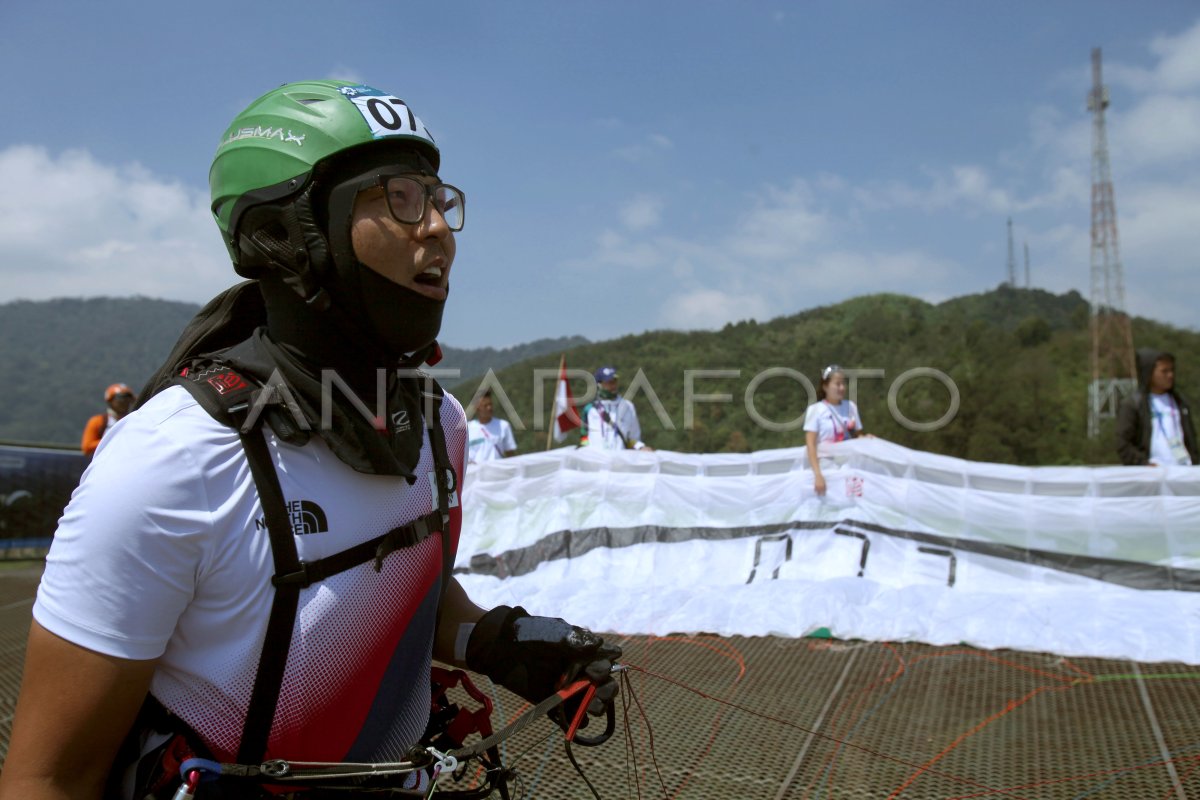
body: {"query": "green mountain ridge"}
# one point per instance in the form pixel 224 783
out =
pixel 1018 360
pixel 57 356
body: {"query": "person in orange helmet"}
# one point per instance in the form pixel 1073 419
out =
pixel 119 398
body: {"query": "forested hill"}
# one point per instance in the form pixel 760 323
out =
pixel 476 362
pixel 57 356
pixel 1018 358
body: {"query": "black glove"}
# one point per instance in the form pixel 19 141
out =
pixel 537 656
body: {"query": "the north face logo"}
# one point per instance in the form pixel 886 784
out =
pixel 306 517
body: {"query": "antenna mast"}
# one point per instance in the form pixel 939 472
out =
pixel 1012 264
pixel 1026 265
pixel 1113 373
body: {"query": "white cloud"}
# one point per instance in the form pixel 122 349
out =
pixel 784 252
pixel 1179 66
pixel 963 187
pixel 642 212
pixel 71 226
pixel 1064 188
pixel 712 308
pixel 1159 231
pixel 650 147
pixel 915 273
pixel 616 249
pixel 779 224
pixel 341 72
pixel 1057 135
pixel 1161 129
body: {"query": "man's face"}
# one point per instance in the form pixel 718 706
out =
pixel 121 403
pixel 610 385
pixel 483 409
pixel 416 256
pixel 1163 377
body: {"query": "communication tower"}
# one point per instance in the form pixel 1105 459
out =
pixel 1012 265
pixel 1026 265
pixel 1113 373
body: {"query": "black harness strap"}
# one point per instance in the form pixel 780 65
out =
pixel 447 483
pixel 278 641
pixel 377 549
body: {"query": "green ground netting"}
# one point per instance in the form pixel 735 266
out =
pixel 716 717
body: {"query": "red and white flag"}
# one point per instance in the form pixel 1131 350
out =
pixel 566 418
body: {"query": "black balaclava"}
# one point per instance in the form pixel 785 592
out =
pixel 358 324
pixel 353 285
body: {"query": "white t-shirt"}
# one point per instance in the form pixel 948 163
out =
pixel 1166 432
pixel 491 441
pixel 833 423
pixel 621 414
pixel 163 553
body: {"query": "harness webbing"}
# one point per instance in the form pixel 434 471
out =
pixel 306 573
pixel 278 640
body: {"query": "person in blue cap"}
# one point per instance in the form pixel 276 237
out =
pixel 611 420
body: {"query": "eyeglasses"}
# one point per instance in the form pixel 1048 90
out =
pixel 832 368
pixel 407 197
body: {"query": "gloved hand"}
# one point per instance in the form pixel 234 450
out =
pixel 537 656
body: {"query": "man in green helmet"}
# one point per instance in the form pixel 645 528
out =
pixel 259 566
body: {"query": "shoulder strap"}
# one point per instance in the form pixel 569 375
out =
pixel 278 641
pixel 220 390
pixel 226 395
pixel 446 481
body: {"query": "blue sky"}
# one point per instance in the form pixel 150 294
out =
pixel 631 166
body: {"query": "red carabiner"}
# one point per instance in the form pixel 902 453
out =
pixel 580 712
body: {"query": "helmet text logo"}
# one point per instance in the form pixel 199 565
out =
pixel 259 132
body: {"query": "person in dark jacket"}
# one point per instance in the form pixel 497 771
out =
pixel 1154 425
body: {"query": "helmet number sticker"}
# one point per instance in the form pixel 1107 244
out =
pixel 390 113
pixel 385 115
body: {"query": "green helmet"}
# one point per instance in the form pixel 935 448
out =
pixel 270 149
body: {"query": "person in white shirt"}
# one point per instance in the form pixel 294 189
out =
pixel 611 420
pixel 833 418
pixel 488 437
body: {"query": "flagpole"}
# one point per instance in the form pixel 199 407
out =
pixel 562 363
